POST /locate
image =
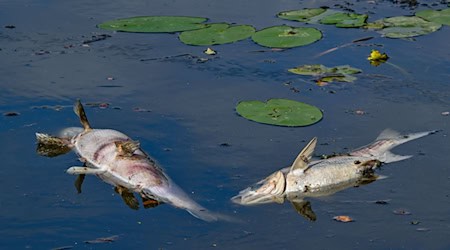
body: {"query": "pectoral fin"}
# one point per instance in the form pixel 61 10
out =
pixel 150 203
pixel 128 197
pixel 127 148
pixel 302 160
pixel 84 170
pixel 304 209
pixel 79 182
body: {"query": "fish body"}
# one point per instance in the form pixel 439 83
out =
pixel 118 160
pixel 314 178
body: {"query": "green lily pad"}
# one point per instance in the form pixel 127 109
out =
pixel 303 15
pixel 318 69
pixel 436 16
pixel 155 24
pixel 404 26
pixel 345 20
pixel 325 16
pixel 218 33
pixel 280 112
pixel 341 73
pixel 286 37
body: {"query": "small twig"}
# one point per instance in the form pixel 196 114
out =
pixel 343 46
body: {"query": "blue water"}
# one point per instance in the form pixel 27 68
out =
pixel 192 114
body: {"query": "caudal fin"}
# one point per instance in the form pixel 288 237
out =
pixel 387 140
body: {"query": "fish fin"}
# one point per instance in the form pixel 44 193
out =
pixel 127 148
pixel 388 134
pixel 79 182
pixel 84 170
pixel 302 160
pixel 304 209
pixel 70 132
pixel 51 146
pixel 150 203
pixel 128 197
pixel 79 110
pixel 388 157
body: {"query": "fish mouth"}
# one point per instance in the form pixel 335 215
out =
pixel 271 189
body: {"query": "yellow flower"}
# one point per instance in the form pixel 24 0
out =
pixel 376 58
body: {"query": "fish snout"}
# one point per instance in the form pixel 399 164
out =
pixel 271 189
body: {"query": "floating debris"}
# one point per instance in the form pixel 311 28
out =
pixel 343 218
pixel 11 113
pixel 210 51
pixel 102 240
pixel 423 229
pixel 382 202
pixel 96 38
pixel 55 107
pixel 62 248
pixel 401 212
pixel 137 109
pixel 415 222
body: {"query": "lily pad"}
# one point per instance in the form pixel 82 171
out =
pixel 436 16
pixel 325 16
pixel 404 26
pixel 219 33
pixel 286 37
pixel 303 15
pixel 325 74
pixel 345 20
pixel 155 24
pixel 280 112
pixel 318 69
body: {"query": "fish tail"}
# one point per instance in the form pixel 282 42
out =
pixel 398 139
pixel 202 213
pixel 387 140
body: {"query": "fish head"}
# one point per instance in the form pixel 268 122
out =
pixel 270 189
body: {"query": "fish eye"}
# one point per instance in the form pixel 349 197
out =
pixel 357 162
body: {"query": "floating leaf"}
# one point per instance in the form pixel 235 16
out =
pixel 218 33
pixel 280 112
pixel 335 78
pixel 318 69
pixel 286 37
pixel 326 75
pixel 325 16
pixel 155 24
pixel 303 15
pixel 436 16
pixel 343 218
pixel 345 20
pixel 404 26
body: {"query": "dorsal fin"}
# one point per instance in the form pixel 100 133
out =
pixel 127 148
pixel 79 110
pixel 388 134
pixel 302 160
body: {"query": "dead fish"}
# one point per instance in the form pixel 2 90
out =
pixel 118 160
pixel 306 178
